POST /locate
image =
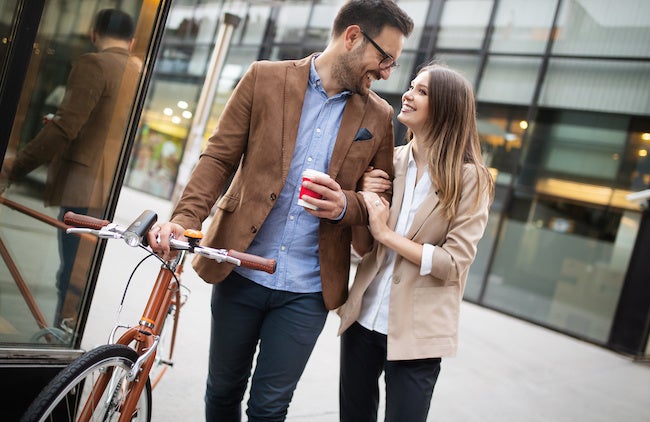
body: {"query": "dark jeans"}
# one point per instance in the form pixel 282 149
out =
pixel 68 246
pixel 409 383
pixel 285 324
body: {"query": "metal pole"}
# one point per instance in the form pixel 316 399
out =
pixel 202 113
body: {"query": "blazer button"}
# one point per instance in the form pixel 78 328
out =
pixel 253 229
pixel 273 197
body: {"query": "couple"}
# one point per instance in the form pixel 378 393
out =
pixel 319 113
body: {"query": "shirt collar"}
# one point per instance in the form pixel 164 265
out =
pixel 315 82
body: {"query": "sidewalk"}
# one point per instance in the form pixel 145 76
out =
pixel 507 370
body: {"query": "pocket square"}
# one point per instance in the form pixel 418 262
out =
pixel 363 135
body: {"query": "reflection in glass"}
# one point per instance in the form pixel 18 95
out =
pixel 603 28
pixel 598 85
pixel 63 151
pixel 562 265
pixel 466 64
pixel 522 26
pixel 463 23
pixel 509 80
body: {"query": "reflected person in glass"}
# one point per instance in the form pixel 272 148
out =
pixel 82 143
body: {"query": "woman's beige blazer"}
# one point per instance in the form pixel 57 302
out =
pixel 424 310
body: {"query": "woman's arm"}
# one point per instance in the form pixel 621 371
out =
pixel 378 212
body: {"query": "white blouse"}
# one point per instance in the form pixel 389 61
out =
pixel 374 308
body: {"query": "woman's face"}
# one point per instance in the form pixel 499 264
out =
pixel 415 104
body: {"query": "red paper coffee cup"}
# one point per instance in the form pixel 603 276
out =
pixel 307 175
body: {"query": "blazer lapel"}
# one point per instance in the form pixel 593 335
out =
pixel 295 87
pixel 426 209
pixel 350 123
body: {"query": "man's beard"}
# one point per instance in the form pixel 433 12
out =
pixel 348 72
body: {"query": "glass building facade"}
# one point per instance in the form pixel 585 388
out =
pixel 563 91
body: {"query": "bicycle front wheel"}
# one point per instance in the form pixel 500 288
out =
pixel 75 388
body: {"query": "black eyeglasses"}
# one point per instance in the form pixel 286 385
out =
pixel 387 61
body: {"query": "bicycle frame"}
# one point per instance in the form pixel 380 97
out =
pixel 165 292
pixel 134 353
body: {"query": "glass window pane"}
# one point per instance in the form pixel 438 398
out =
pixel 562 264
pixel 165 123
pixel 291 22
pixel 253 25
pixel 522 26
pixel 604 28
pixel 67 139
pixel 501 130
pixel 418 11
pixel 466 64
pixel 463 23
pixel 598 85
pixel 509 80
pixel 7 15
pixel 320 24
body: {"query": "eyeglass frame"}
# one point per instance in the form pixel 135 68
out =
pixel 394 65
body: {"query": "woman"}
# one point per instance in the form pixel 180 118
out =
pixel 402 313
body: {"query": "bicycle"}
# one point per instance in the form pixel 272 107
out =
pixel 112 382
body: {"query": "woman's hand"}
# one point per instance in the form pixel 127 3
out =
pixel 375 180
pixel 378 212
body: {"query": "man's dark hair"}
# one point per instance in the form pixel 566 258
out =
pixel 114 23
pixel 372 16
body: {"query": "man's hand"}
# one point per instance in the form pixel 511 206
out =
pixel 332 203
pixel 159 235
pixel 375 180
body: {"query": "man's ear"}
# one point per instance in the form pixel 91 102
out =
pixel 351 36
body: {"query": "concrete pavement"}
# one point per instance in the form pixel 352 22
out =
pixel 506 369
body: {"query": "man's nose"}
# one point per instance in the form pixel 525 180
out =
pixel 385 73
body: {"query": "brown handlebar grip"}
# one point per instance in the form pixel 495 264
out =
pixel 254 262
pixel 80 220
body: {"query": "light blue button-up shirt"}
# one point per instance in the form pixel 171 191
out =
pixel 290 234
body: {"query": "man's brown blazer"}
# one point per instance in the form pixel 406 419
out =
pixel 256 137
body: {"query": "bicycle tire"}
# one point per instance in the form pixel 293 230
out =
pixel 60 399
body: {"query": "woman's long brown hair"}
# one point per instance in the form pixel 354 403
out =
pixel 452 138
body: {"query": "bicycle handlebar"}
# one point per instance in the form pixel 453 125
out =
pixel 135 234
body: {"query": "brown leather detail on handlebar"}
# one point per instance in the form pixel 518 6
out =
pixel 254 262
pixel 79 220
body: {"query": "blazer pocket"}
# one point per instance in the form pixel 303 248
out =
pixel 228 203
pixel 435 311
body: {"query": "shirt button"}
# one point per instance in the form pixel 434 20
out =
pixel 283 248
pixel 396 280
pixel 318 130
pixel 309 159
pixel 291 217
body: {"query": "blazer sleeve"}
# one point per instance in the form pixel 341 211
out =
pixel 455 255
pixel 356 213
pixel 221 156
pixel 84 90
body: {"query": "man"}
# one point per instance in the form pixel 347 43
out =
pixel 83 141
pixel 282 118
